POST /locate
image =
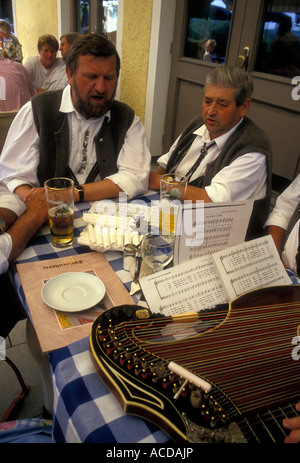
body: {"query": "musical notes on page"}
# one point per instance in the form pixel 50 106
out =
pixel 190 287
pixel 207 281
pixel 250 265
pixel 209 227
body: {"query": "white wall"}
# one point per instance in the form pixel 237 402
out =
pixel 163 16
pixel 64 17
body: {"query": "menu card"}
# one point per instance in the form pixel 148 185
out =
pixel 56 329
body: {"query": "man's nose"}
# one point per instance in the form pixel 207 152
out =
pixel 212 108
pixel 100 85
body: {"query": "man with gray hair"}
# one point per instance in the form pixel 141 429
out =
pixel 225 155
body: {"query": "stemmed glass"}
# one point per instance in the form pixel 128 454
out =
pixel 157 251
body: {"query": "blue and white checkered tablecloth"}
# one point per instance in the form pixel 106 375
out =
pixel 84 409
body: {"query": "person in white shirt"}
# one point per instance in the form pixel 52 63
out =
pixel 237 164
pixel 283 224
pixel 56 132
pixel 18 223
pixel 47 72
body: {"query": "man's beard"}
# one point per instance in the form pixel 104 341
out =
pixel 88 110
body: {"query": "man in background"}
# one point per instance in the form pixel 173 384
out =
pixel 66 41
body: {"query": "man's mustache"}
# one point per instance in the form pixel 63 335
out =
pixel 97 94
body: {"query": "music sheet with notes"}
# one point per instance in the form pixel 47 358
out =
pixel 209 227
pixel 204 282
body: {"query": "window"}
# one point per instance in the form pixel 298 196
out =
pixel 6 12
pixel 279 44
pixel 208 24
pixel 82 16
pixel 95 16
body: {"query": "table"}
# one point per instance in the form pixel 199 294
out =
pixel 84 410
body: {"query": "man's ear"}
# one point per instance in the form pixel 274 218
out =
pixel 69 75
pixel 245 107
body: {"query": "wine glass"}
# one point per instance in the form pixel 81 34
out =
pixel 157 251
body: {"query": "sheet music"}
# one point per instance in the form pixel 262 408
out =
pixel 209 280
pixel 190 287
pixel 209 227
pixel 250 265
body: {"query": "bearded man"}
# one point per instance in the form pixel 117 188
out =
pixel 79 132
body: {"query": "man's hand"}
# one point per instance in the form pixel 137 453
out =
pixel 36 205
pixel 30 193
pixel 293 424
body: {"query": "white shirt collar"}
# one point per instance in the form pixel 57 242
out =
pixel 221 140
pixel 66 105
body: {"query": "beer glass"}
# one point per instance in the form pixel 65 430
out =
pixel 60 202
pixel 172 193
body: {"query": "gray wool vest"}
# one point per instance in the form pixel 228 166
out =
pixel 248 137
pixel 53 129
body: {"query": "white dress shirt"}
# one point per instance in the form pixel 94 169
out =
pixel 20 156
pixel 280 216
pixel 12 202
pixel 244 178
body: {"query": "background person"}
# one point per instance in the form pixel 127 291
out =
pixel 11 47
pixel 66 42
pixel 209 49
pixel 47 72
pixel 16 87
pixel 283 225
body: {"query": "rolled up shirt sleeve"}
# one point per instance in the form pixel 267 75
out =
pixel 244 178
pixel 11 201
pixel 285 206
pixel 134 162
pixel 20 155
pixel 5 250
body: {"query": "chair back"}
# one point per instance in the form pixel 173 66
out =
pixel 6 118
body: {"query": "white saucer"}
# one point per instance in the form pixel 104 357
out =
pixel 73 291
